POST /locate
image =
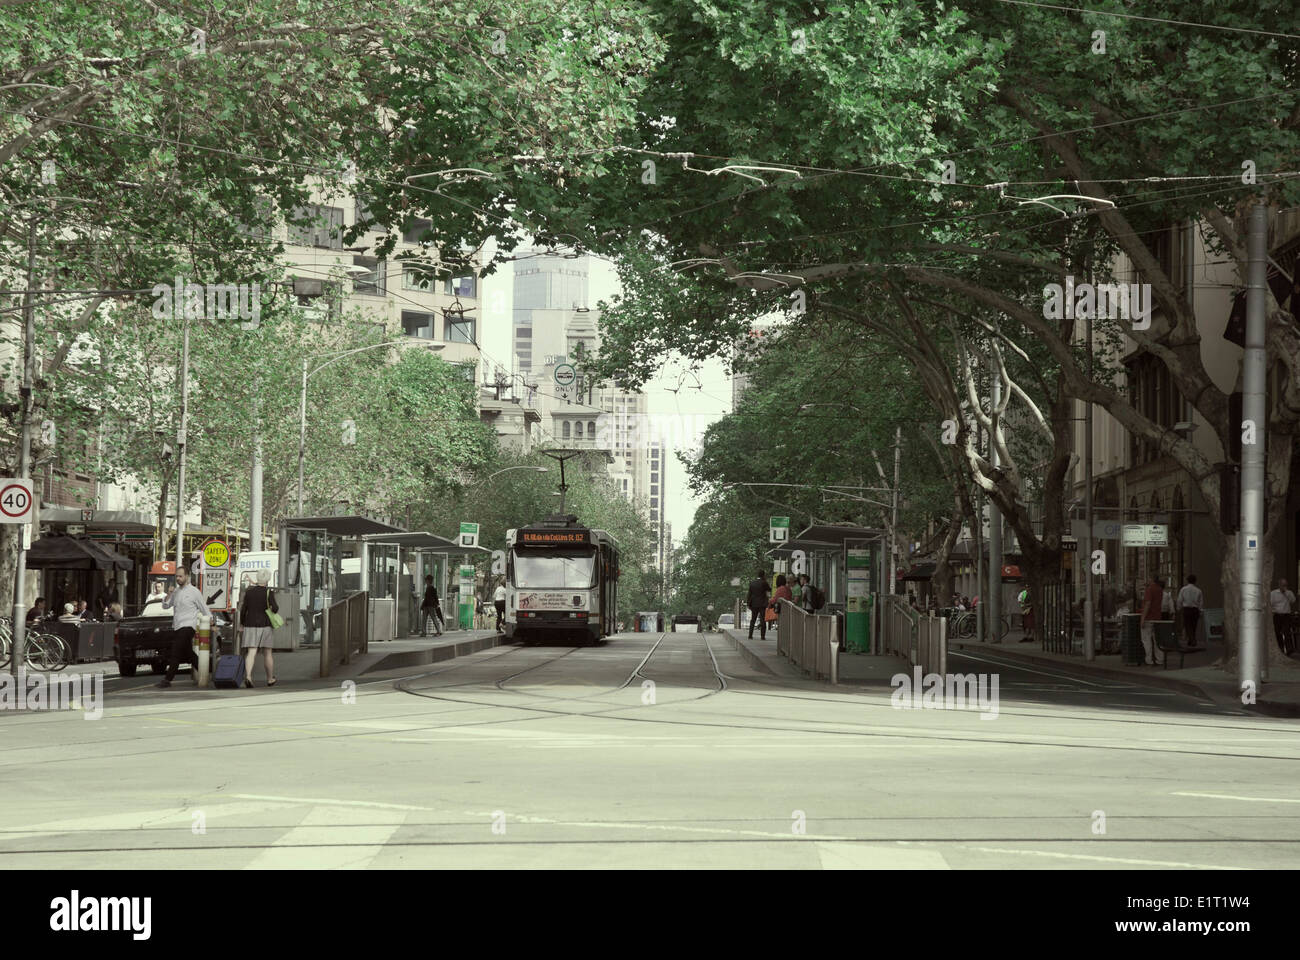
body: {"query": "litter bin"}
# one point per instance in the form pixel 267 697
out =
pixel 1130 638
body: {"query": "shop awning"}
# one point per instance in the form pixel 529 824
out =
pixel 73 553
pixel 922 571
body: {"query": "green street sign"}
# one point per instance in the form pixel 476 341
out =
pixel 778 530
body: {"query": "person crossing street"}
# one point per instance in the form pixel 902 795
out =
pixel 187 605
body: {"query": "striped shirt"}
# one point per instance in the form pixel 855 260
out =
pixel 187 606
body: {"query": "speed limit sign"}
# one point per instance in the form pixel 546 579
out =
pixel 15 501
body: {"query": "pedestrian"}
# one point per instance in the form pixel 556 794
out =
pixel 1152 600
pixel 499 601
pixel 69 614
pixel 1282 602
pixel 757 601
pixel 1026 604
pixel 83 611
pixel 782 593
pixel 796 590
pixel 37 612
pixel 1190 601
pixel 814 598
pixel 186 603
pixel 156 596
pixel 114 612
pixel 256 627
pixel 429 609
pixel 105 599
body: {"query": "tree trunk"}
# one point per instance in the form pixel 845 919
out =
pixel 160 544
pixel 942 579
pixel 10 543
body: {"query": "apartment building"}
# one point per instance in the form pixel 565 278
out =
pixel 1133 481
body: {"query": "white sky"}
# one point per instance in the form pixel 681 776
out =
pixel 698 401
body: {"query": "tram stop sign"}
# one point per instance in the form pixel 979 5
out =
pixel 469 534
pixel 778 530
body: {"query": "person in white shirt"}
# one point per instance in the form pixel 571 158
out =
pixel 187 605
pixel 1190 601
pixel 1282 602
pixel 499 601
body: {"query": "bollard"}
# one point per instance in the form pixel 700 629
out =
pixel 835 661
pixel 204 636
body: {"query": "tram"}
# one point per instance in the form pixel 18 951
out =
pixel 561 582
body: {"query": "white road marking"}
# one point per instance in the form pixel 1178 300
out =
pixel 319 802
pixel 365 841
pixel 1084 856
pixel 1228 796
pixel 858 856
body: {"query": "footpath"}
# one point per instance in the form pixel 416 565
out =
pixel 1200 675
pixel 303 666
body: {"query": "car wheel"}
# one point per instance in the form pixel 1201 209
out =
pixel 126 668
pixel 158 666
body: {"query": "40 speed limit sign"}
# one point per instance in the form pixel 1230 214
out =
pixel 15 501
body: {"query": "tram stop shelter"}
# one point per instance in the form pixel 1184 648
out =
pixel 321 563
pixel 832 550
pixel 394 565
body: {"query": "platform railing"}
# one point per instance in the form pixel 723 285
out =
pixel 809 640
pixel 923 640
pixel 346 632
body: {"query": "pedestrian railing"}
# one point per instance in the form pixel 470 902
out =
pixel 922 640
pixel 809 640
pixel 346 632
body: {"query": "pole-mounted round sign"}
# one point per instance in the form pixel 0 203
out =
pixel 565 374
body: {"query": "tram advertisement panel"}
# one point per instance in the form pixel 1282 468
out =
pixel 533 600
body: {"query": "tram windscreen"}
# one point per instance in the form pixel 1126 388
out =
pixel 535 571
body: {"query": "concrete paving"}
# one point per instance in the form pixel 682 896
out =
pixel 673 750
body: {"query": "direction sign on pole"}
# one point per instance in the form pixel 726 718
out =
pixel 469 534
pixel 214 568
pixel 16 501
pixel 778 529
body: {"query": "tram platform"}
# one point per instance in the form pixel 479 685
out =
pixel 854 669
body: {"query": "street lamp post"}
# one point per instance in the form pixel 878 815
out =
pixel 308 371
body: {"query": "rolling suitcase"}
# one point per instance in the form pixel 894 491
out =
pixel 229 672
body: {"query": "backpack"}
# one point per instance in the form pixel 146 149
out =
pixel 816 598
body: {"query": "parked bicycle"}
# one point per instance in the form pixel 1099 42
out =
pixel 964 625
pixel 44 651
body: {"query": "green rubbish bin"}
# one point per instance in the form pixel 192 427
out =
pixel 1130 639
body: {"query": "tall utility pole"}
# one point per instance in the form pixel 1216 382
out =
pixel 995 526
pixel 17 659
pixel 180 444
pixel 893 518
pixel 1253 371
pixel 1089 596
pixel 255 480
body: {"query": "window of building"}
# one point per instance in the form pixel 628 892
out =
pixel 468 372
pixel 320 299
pixel 460 286
pixel 372 284
pixel 365 215
pixel 591 428
pixel 1154 395
pixel 566 429
pixel 458 327
pixel 417 324
pixel 577 430
pixel 317 226
pixel 417 230
pixel 418 278
pixel 524 333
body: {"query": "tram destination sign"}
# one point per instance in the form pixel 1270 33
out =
pixel 554 538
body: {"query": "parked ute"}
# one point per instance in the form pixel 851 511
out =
pixel 147 638
pixel 727 621
pixel 686 623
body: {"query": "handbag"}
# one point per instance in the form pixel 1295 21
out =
pixel 277 621
pixel 769 614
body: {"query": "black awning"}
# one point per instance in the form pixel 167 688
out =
pixel 922 571
pixel 73 553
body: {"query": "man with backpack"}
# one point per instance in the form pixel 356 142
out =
pixel 813 598
pixel 759 591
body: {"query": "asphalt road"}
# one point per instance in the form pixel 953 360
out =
pixel 649 751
